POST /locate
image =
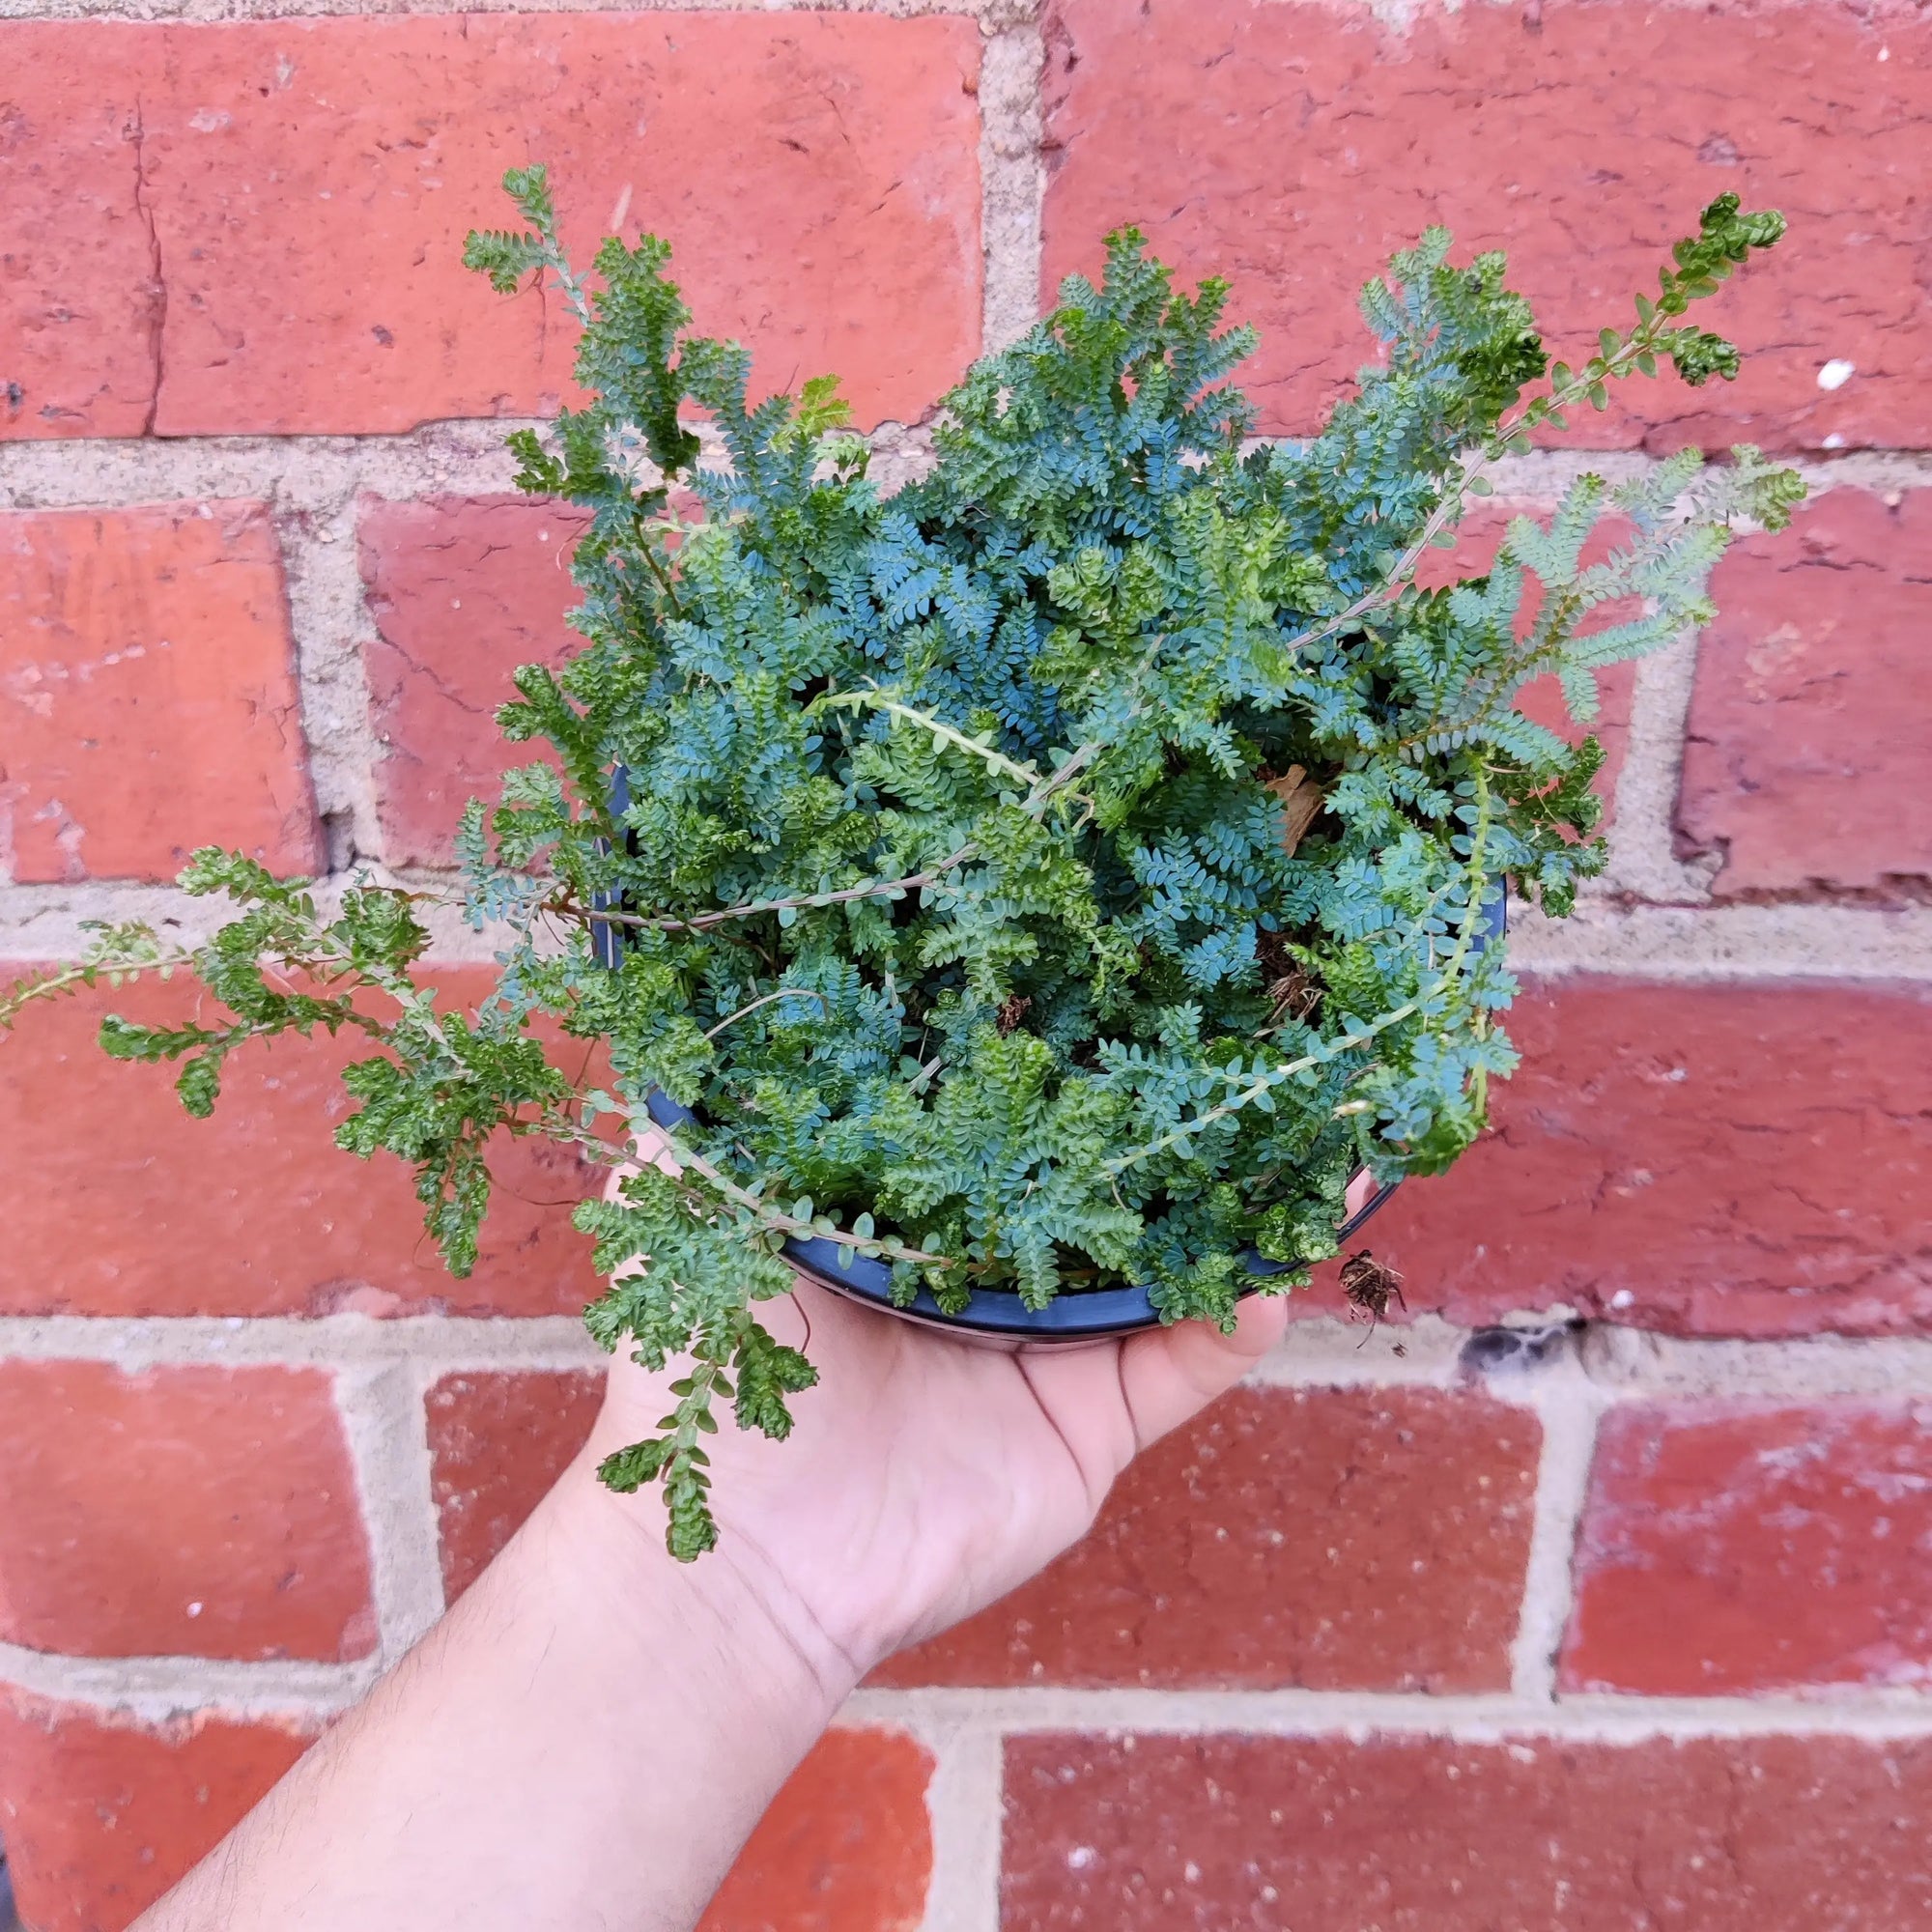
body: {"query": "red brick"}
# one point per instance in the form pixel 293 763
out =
pixel 147 699
pixel 1293 147
pixel 307 186
pixel 80 305
pixel 179 1512
pixel 845 1847
pixel 1729 1159
pixel 1332 1539
pixel 1739 1547
pixel 463 590
pixel 1808 760
pixel 1478 538
pixel 255 1211
pixel 102 1814
pixel 1428 1835
pixel 496 1444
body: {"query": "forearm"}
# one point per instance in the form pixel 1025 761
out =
pixel 586 1739
pixel 592 1732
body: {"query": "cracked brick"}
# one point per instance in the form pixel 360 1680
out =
pixel 148 696
pixel 1328 1539
pixel 1292 147
pixel 79 299
pixel 1808 766
pixel 461 590
pixel 1736 1159
pixel 308 182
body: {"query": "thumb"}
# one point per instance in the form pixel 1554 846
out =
pixel 1169 1374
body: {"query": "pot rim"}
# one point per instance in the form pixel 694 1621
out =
pixel 998 1313
pixel 994 1314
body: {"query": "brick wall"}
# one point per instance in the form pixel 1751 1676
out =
pixel 1599 1597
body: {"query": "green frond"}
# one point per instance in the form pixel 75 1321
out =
pixel 1060 873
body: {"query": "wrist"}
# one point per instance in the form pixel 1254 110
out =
pixel 735 1602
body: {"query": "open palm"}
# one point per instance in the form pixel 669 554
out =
pixel 927 1476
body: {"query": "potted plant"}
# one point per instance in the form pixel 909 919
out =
pixel 1028 899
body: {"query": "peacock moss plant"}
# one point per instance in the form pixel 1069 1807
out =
pixel 1062 872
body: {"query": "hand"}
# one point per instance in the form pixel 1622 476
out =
pixel 927 1476
pixel 494 1778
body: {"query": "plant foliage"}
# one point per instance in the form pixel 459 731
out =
pixel 1065 871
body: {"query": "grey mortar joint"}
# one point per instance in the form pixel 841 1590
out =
pixel 386 1424
pixel 1318 1352
pixel 432 1345
pixel 1643 861
pixel 1479 1718
pixel 1568 1404
pixel 1323 1353
pixel 1699 944
pixel 328 619
pixel 963 1802
pixel 1721 943
pixel 1013 180
pixel 1636 1365
pixel 154 1690
pixel 45 922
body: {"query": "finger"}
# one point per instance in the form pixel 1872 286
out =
pixel 1168 1375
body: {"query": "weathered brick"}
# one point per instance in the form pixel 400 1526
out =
pixel 845 1847
pixel 102 1814
pixel 254 1211
pixel 1808 765
pixel 179 1512
pixel 1333 1539
pixel 1726 1160
pixel 463 590
pixel 1292 147
pixel 1742 1546
pixel 496 1444
pixel 300 189
pixel 147 699
pixel 80 300
pixel 1141 1833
